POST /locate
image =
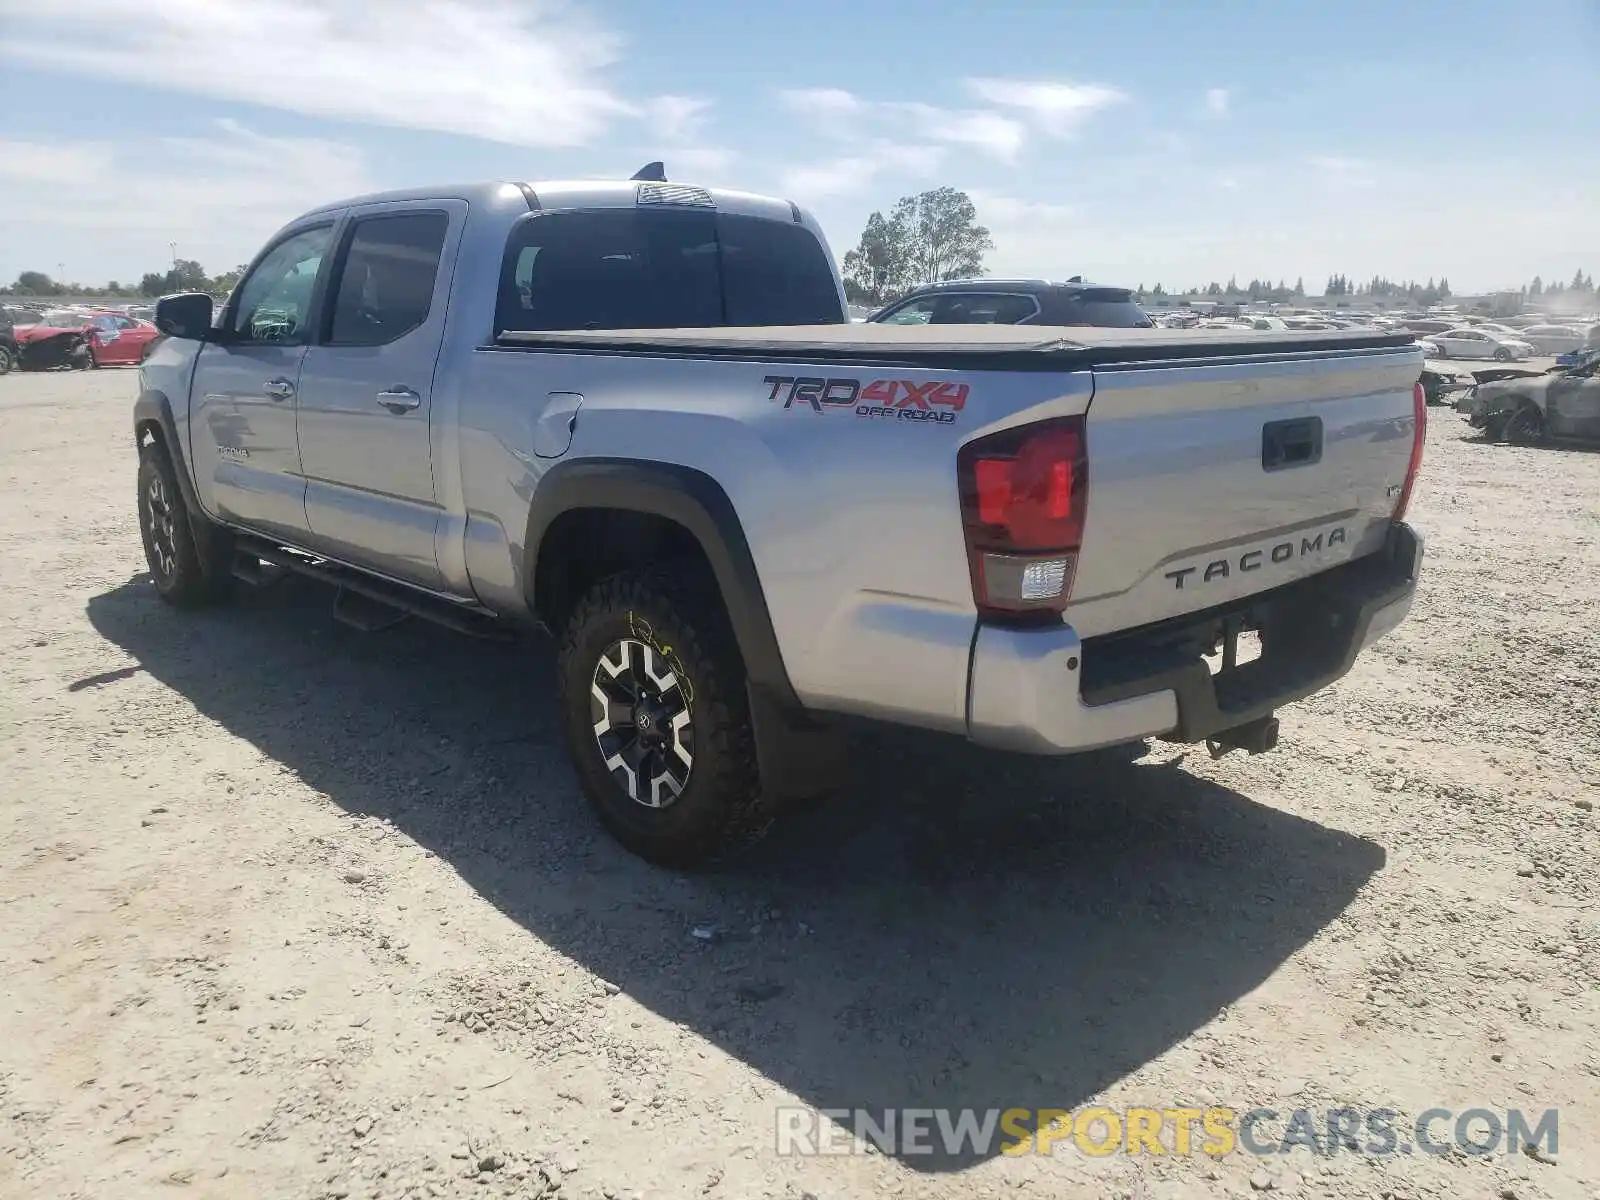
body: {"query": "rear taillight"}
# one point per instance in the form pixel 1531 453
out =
pixel 1419 409
pixel 1024 493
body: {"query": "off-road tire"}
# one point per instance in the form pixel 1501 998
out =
pixel 1525 427
pixel 191 560
pixel 8 360
pixel 676 611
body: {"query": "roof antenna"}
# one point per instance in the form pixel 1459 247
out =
pixel 653 172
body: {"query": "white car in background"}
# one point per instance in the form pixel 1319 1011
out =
pixel 1477 343
pixel 1553 339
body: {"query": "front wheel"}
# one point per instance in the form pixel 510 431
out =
pixel 191 567
pixel 1502 355
pixel 657 719
pixel 8 360
pixel 1526 426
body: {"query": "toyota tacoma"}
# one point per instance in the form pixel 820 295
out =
pixel 635 415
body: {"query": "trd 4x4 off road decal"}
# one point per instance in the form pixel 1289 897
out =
pixel 894 399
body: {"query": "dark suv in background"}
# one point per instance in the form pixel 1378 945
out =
pixel 1015 302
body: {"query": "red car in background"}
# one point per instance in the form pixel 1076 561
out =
pixel 112 338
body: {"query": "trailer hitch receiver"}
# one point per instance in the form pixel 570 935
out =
pixel 1253 737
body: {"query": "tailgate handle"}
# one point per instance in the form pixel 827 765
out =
pixel 1293 443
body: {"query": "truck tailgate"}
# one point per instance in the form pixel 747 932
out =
pixel 1216 479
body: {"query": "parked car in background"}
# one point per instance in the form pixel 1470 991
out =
pixel 1477 343
pixel 59 338
pixel 8 345
pixel 1428 325
pixel 1553 339
pixel 1525 409
pixel 1438 381
pixel 118 340
pixel 1015 302
pixel 112 338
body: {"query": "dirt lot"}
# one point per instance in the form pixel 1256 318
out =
pixel 291 911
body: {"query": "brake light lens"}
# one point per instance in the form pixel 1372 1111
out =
pixel 1024 495
pixel 1419 438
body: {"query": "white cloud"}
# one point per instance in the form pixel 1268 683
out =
pixel 850 174
pixel 816 101
pixel 705 165
pixel 1056 108
pixel 677 118
pixel 1217 102
pixel 1339 172
pixel 111 208
pixel 678 124
pixel 494 69
pixel 854 121
pixel 990 133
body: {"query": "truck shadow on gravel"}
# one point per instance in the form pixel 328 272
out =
pixel 957 929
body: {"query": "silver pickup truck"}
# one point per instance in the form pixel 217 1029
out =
pixel 636 415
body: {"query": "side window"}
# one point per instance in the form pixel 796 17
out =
pixel 615 268
pixel 918 312
pixel 385 287
pixel 275 299
pixel 775 273
pixel 976 308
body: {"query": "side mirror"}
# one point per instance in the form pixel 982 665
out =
pixel 185 316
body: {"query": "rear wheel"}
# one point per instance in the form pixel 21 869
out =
pixel 657 718
pixel 191 567
pixel 1525 427
pixel 8 360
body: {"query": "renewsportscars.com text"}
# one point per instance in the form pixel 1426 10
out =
pixel 1215 1131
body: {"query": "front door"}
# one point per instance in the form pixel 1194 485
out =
pixel 242 433
pixel 366 390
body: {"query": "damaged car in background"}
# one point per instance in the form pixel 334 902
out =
pixel 1526 407
pixel 57 339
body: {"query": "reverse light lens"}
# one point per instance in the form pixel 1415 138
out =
pixel 1012 582
pixel 1044 580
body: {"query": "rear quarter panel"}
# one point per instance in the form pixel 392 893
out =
pixel 851 512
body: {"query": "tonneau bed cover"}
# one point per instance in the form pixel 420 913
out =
pixel 986 347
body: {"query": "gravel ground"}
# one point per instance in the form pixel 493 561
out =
pixel 291 911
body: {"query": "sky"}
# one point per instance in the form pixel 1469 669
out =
pixel 1129 141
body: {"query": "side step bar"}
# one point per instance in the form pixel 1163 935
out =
pixel 363 602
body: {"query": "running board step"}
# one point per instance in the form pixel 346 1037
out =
pixel 363 602
pixel 364 613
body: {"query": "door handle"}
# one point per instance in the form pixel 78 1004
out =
pixel 400 399
pixel 278 389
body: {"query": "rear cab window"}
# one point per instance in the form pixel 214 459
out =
pixel 663 268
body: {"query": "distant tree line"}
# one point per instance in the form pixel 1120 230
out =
pixel 1580 284
pixel 185 275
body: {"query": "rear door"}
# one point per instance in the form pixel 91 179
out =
pixel 366 390
pixel 1209 482
pixel 242 437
